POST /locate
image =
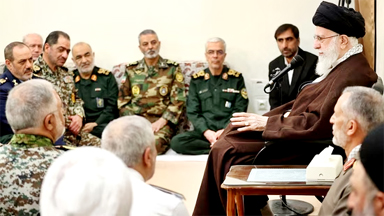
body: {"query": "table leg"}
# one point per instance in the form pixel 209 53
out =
pixel 231 211
pixel 239 204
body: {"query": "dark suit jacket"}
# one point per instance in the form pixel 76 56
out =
pixel 301 74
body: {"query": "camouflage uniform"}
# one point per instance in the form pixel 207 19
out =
pixel 154 92
pixel 64 85
pixel 23 164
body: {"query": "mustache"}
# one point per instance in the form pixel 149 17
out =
pixel 27 70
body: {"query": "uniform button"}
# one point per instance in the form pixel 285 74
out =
pixel 215 89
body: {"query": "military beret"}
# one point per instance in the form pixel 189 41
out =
pixel 372 156
pixel 341 20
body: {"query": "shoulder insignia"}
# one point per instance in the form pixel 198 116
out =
pixel 206 76
pixel 132 63
pixel 94 77
pixel 225 76
pixel 2 81
pixel 172 62
pixel 244 93
pixel 103 71
pixel 233 73
pixel 198 74
pixel 36 75
pixel 36 68
pixel 77 79
pixel 179 77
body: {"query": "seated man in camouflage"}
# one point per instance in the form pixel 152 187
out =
pixel 34 111
pixel 214 95
pixel 49 66
pixel 153 88
pixel 97 87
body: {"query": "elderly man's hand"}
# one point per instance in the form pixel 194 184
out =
pixel 249 121
pixel 157 125
pixel 76 124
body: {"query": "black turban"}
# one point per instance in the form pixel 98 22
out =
pixel 339 19
pixel 372 156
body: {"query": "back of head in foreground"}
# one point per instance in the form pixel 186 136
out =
pixel 86 181
pixel 131 138
pixel 367 180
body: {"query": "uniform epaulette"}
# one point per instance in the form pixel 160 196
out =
pixel 103 71
pixel 172 62
pixel 36 68
pixel 198 74
pixel 35 75
pixel 2 81
pixel 132 63
pixel 233 73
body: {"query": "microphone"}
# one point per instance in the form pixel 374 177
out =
pixel 296 61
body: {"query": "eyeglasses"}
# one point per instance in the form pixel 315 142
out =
pixel 218 52
pixel 321 39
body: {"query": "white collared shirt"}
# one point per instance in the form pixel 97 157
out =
pixel 354 152
pixel 148 201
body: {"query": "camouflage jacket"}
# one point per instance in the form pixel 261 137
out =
pixel 64 85
pixel 23 164
pixel 153 92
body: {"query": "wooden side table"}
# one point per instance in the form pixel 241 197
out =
pixel 237 185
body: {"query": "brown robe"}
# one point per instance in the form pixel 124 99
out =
pixel 308 120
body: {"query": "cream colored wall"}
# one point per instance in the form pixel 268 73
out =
pixel 183 26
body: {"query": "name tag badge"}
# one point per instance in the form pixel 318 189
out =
pixel 228 104
pixel 97 89
pixel 100 102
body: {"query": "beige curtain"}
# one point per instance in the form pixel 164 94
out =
pixel 367 9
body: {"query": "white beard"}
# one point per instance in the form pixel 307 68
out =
pixel 87 69
pixel 329 57
pixel 154 54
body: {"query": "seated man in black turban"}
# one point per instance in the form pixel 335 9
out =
pixel 341 64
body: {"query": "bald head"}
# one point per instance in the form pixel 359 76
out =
pixel 83 57
pixel 35 43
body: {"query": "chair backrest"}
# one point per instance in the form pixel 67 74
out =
pixel 378 85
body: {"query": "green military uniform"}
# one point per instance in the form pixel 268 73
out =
pixel 99 94
pixel 211 102
pixel 154 92
pixel 62 81
pixel 23 164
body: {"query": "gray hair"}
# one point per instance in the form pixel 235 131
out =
pixel 8 50
pixel 365 105
pixel 128 137
pixel 26 36
pixel 86 181
pixel 214 40
pixel 29 102
pixel 146 32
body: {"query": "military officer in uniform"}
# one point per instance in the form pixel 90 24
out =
pixel 18 59
pixel 153 88
pixel 214 95
pixel 97 87
pixel 49 66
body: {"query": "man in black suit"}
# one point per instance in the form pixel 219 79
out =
pixel 287 88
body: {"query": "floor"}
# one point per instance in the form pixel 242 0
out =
pixel 183 174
